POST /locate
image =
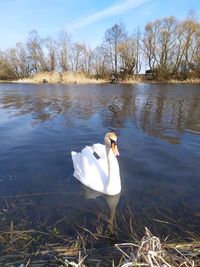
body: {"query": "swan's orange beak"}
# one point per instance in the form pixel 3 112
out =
pixel 115 149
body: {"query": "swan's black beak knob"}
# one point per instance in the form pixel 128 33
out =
pixel 114 148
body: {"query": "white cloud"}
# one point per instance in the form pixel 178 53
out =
pixel 113 10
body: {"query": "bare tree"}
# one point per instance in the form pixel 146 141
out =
pixel 6 69
pixel 19 60
pixel 87 56
pixel 100 66
pixel 150 42
pixel 64 43
pixel 167 37
pixel 129 55
pixel 195 60
pixel 189 31
pixel 75 57
pixel 51 47
pixel 34 51
pixel 113 36
pixel 81 58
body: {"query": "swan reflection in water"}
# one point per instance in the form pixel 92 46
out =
pixel 111 201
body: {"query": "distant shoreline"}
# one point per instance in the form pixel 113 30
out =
pixel 26 81
pixel 81 78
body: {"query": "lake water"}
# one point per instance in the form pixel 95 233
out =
pixel 158 128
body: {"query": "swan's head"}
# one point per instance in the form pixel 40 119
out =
pixel 111 142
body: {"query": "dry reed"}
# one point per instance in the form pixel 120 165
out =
pixel 44 244
pixel 65 78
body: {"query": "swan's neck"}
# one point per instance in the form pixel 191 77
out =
pixel 113 171
pixel 111 158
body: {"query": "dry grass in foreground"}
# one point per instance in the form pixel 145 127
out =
pixel 23 244
pixel 148 252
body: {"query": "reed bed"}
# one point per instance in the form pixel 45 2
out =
pixel 120 243
pixel 65 78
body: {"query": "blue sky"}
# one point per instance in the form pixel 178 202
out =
pixel 85 20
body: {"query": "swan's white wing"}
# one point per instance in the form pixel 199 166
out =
pixel 100 150
pixel 89 170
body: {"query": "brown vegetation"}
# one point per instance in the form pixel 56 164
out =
pixel 66 77
pixel 41 244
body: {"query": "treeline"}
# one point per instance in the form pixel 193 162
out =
pixel 169 48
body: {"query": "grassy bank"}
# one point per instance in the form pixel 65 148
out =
pixel 66 78
pixel 81 78
pixel 173 81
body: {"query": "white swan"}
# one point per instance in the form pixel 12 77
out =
pixel 97 166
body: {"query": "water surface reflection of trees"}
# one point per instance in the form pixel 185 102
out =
pixel 161 113
pixel 158 114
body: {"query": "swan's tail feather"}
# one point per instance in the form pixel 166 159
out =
pixel 73 153
pixel 75 174
pixel 76 158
